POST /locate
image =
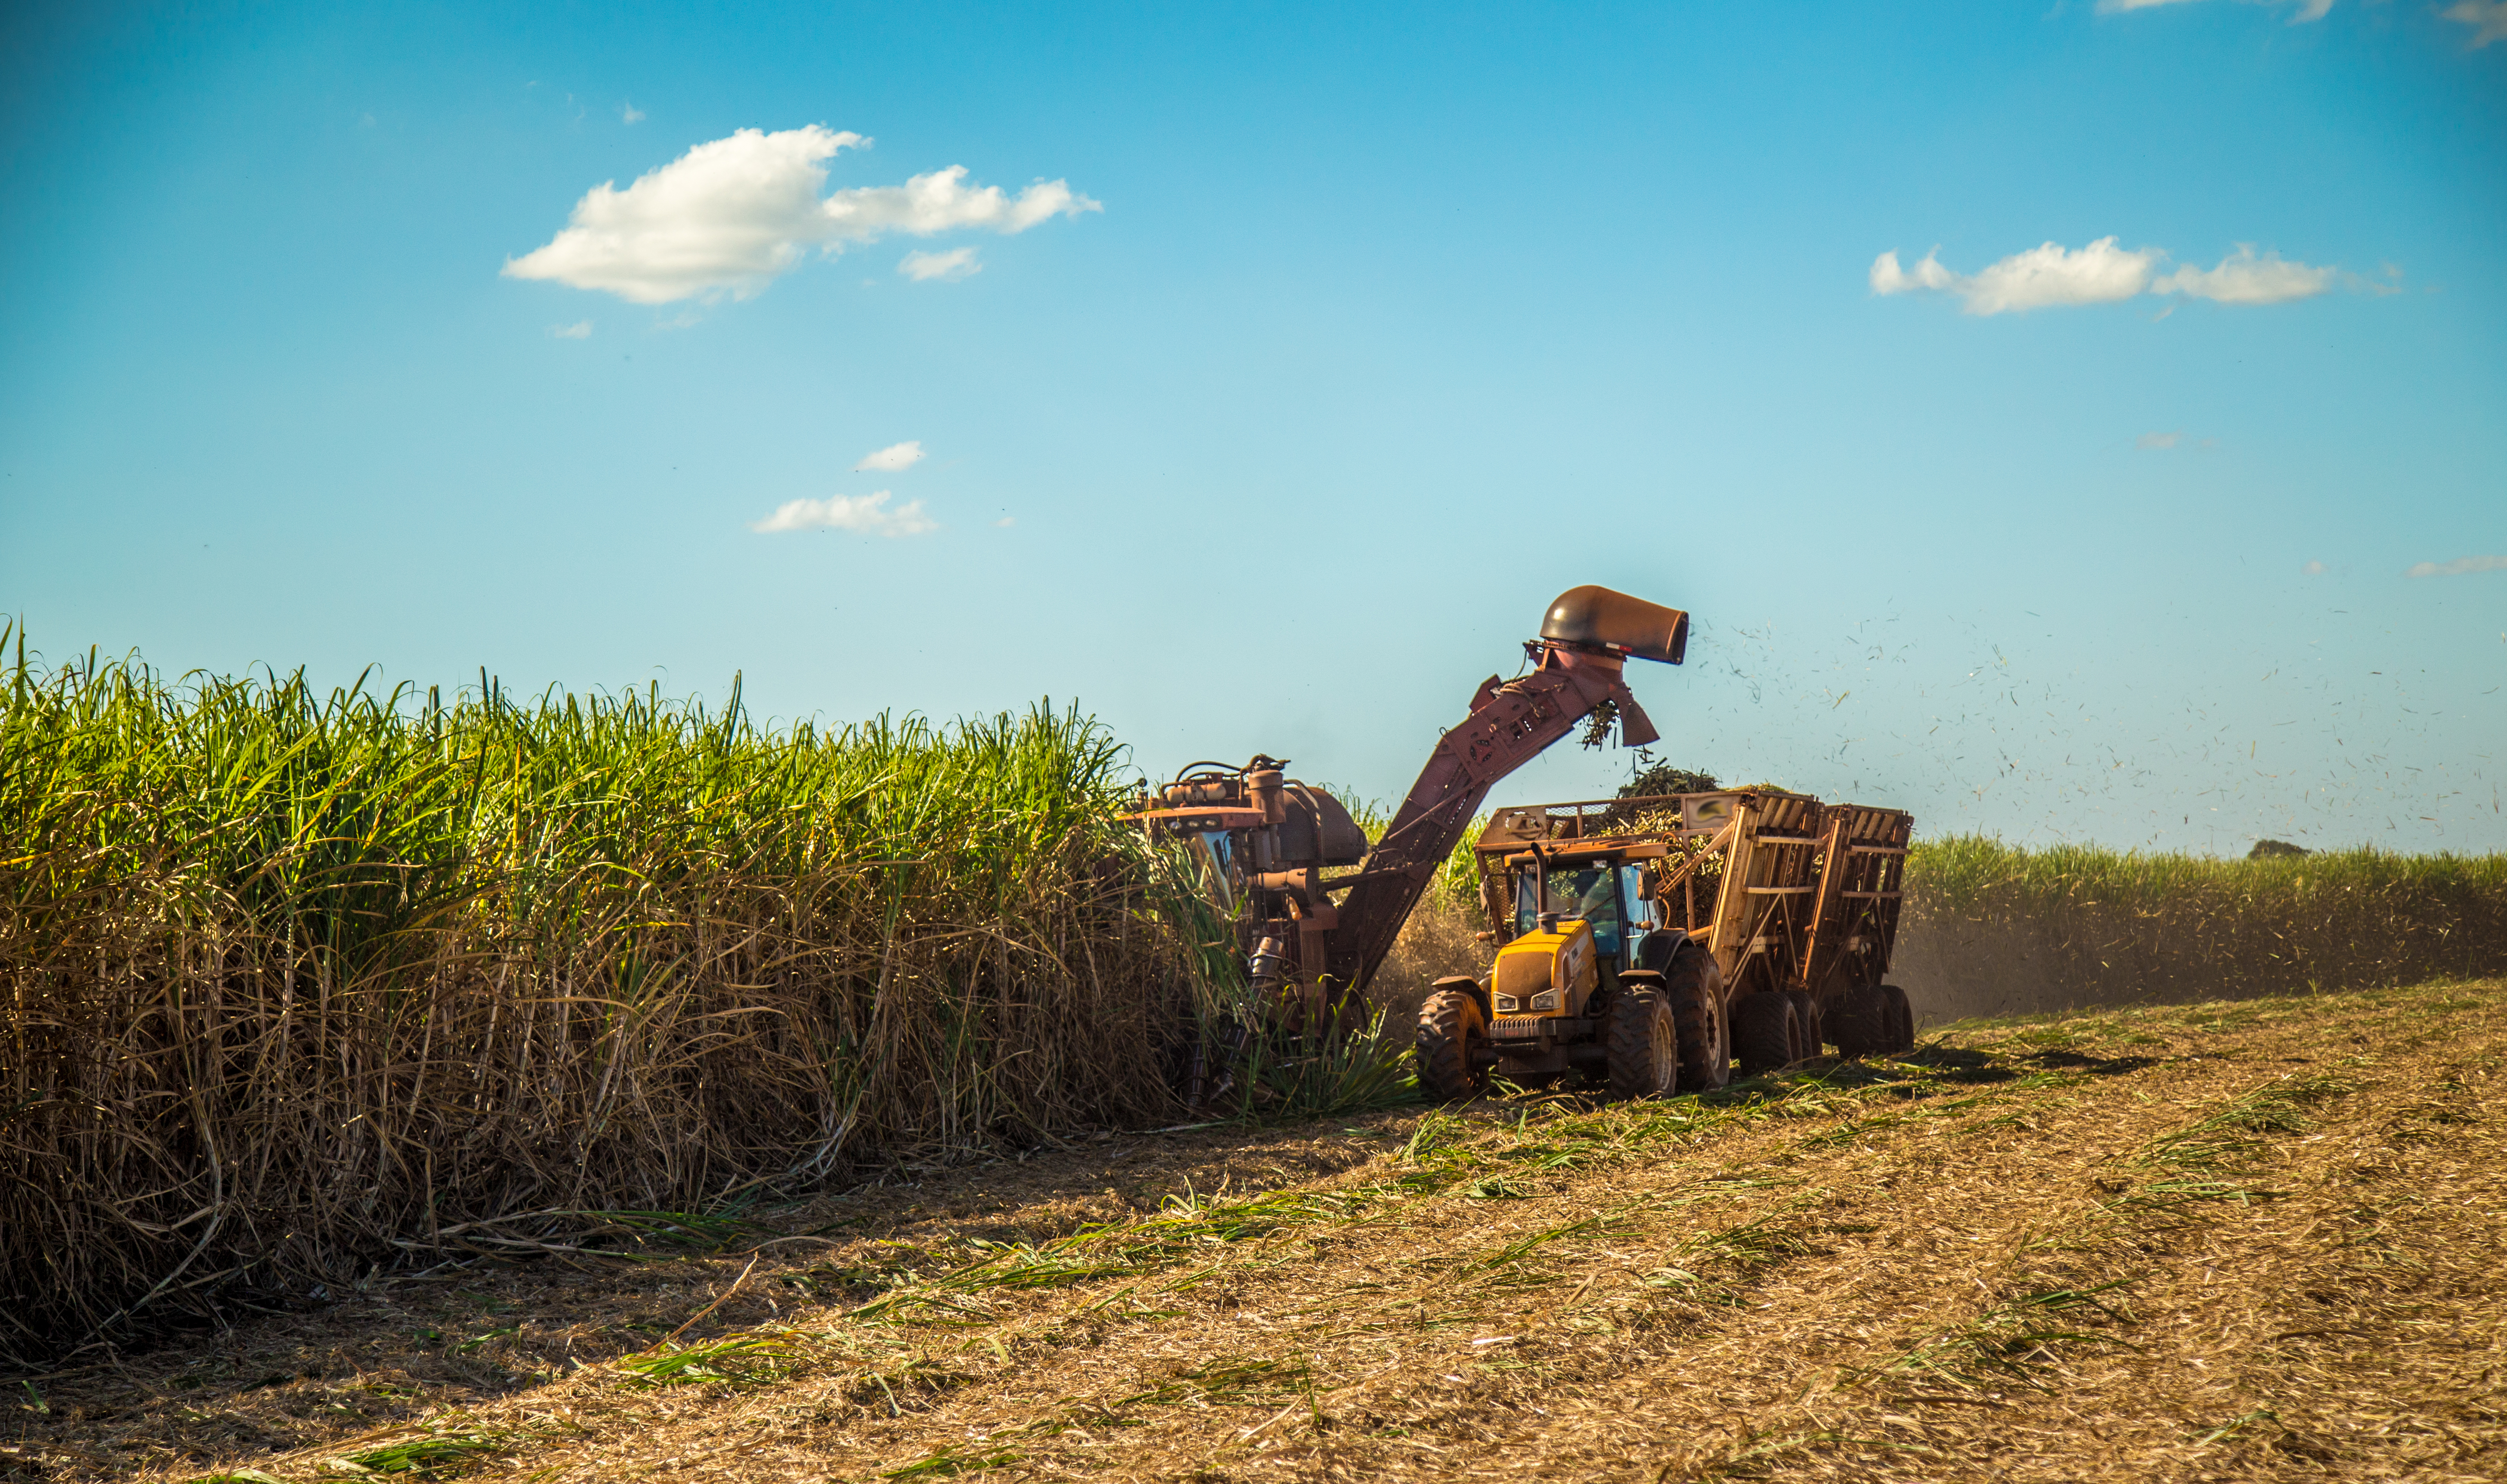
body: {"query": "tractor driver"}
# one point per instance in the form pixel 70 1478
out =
pixel 1591 896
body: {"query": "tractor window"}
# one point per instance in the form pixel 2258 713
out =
pixel 1592 894
pixel 1632 892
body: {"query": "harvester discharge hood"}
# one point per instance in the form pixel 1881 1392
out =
pixel 1596 618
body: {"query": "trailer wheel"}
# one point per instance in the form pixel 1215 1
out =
pixel 1695 985
pixel 1450 1034
pixel 1859 1021
pixel 1806 1014
pixel 1766 1032
pixel 1640 1044
pixel 1896 1020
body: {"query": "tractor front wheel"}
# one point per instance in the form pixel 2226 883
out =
pixel 1451 1033
pixel 1640 1044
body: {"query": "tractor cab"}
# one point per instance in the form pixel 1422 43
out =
pixel 1607 895
pixel 1581 917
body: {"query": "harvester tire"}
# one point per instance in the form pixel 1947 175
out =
pixel 1640 1044
pixel 1451 1032
pixel 1766 1032
pixel 1695 985
pixel 1806 1014
pixel 1898 1020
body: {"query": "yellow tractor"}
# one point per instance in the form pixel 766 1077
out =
pixel 1593 978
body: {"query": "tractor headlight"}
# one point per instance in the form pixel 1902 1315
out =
pixel 1504 1005
pixel 1546 1000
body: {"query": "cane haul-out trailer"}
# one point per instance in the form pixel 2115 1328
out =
pixel 1657 939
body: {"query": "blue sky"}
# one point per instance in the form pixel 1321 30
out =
pixel 1305 353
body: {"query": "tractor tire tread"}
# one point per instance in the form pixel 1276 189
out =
pixel 1447 1021
pixel 1694 984
pixel 1628 1043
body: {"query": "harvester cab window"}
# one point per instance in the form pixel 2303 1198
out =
pixel 1221 852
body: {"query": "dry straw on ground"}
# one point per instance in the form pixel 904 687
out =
pixel 300 985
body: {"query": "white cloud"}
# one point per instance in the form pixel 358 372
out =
pixel 734 214
pixel 2244 278
pixel 581 329
pixel 2052 274
pixel 867 513
pixel 947 267
pixel 2487 17
pixel 631 113
pixel 2042 277
pixel 1005 523
pixel 896 455
pixel 2102 274
pixel 2159 440
pixel 1887 277
pixel 2308 10
pixel 2313 569
pixel 2458 567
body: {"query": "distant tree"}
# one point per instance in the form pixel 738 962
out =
pixel 1653 778
pixel 2266 849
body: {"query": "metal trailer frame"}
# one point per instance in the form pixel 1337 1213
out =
pixel 1862 888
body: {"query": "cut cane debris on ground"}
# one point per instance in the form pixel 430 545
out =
pixel 2249 1241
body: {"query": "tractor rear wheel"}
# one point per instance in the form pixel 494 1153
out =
pixel 1640 1044
pixel 1695 985
pixel 1898 1020
pixel 1451 1033
pixel 1806 1014
pixel 1766 1032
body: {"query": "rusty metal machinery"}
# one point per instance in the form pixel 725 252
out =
pixel 1311 942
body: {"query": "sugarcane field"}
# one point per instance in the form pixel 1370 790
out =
pixel 1255 745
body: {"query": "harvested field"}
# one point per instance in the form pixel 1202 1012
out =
pixel 2257 1240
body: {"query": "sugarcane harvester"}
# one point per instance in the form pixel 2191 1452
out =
pixel 1267 840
